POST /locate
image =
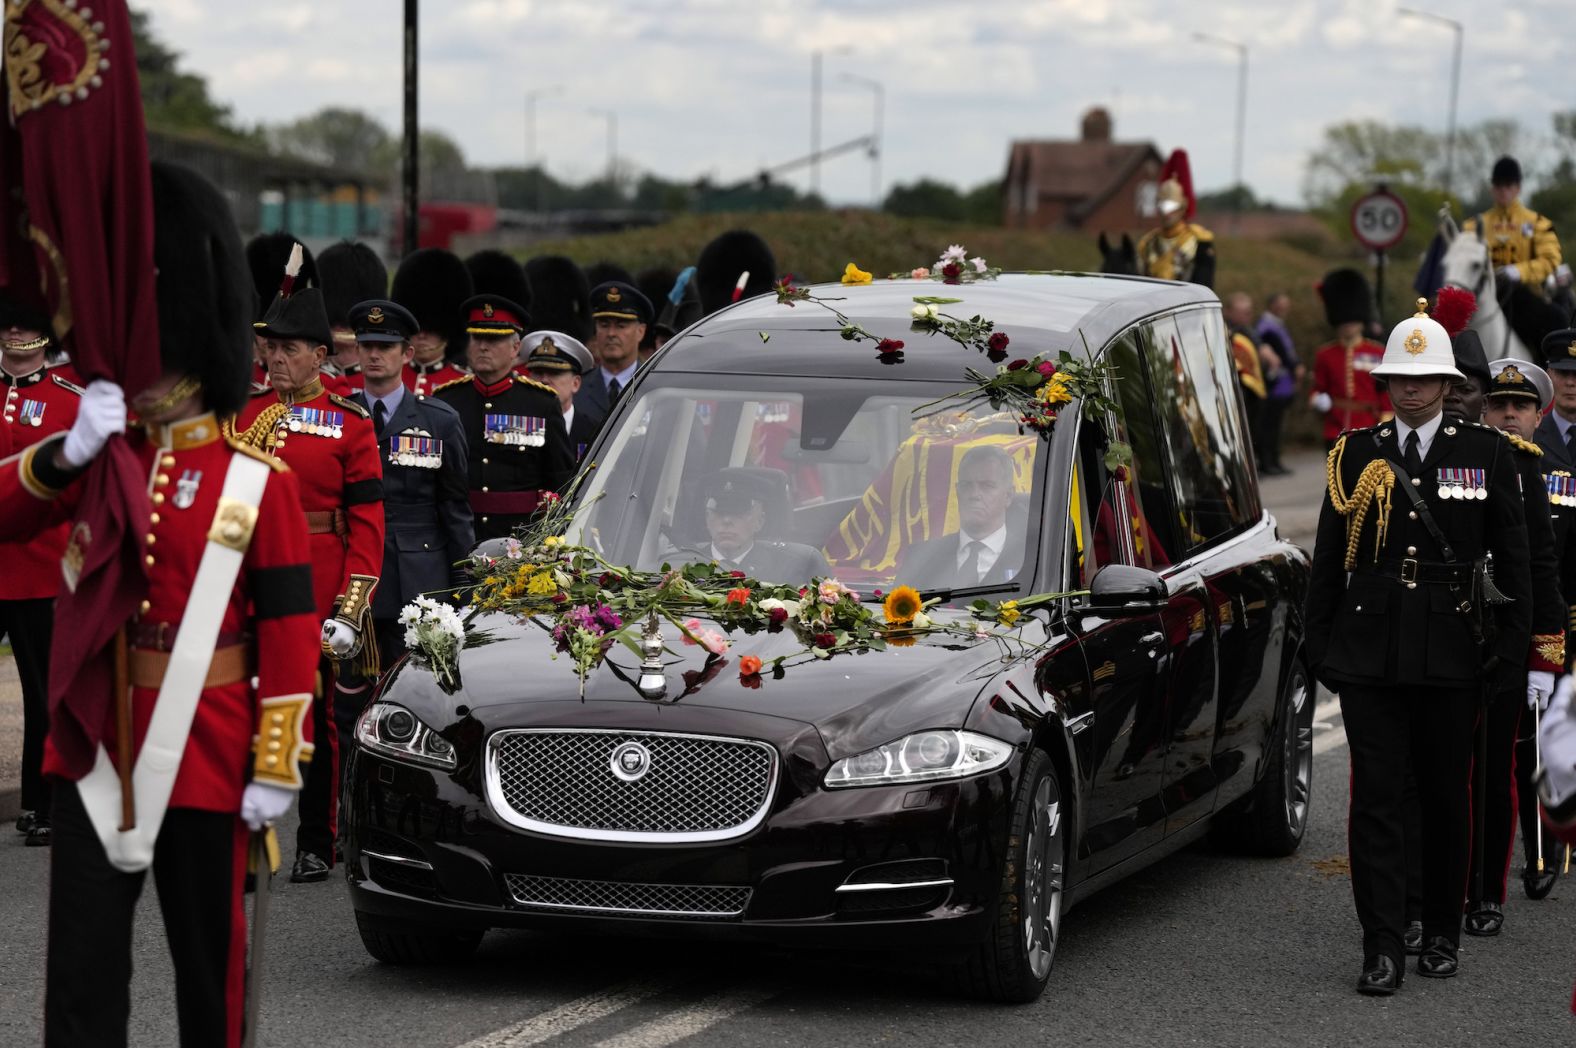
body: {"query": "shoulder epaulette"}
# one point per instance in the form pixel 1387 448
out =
pixel 452 382
pixel 260 435
pixel 543 386
pixel 65 383
pixel 1201 233
pixel 1523 445
pixel 349 405
pixel 250 452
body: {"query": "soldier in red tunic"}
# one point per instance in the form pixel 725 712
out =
pixel 433 283
pixel 267 256
pixel 214 757
pixel 1343 383
pixel 328 442
pixel 40 401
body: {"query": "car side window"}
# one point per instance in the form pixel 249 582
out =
pixel 1099 525
pixel 1146 491
pixel 1199 418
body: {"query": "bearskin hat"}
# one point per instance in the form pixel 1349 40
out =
pixel 495 273
pixel 350 272
pixel 26 315
pixel 204 288
pixel 266 254
pixel 1507 172
pixel 432 283
pixel 1347 299
pixel 1467 346
pixel 657 284
pixel 561 296
pixel 727 258
pixel 605 272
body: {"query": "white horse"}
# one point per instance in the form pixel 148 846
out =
pixel 1466 265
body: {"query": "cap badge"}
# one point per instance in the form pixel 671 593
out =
pixel 487 310
pixel 1509 375
pixel 375 315
pixel 613 295
pixel 1416 342
pixel 1571 349
pixel 546 346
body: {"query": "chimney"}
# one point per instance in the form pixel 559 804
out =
pixel 1097 125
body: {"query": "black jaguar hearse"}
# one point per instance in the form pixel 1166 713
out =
pixel 953 797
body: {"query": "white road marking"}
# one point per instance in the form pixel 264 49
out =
pixel 1331 736
pixel 687 1022
pixel 570 1016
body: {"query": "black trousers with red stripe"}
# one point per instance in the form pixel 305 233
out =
pixel 199 866
pixel 1386 730
pixel 29 625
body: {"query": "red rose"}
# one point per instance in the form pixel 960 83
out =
pixel 736 574
pixel 889 345
pixel 1018 365
pixel 998 341
pixel 825 640
pixel 951 272
pixel 775 619
pixel 876 593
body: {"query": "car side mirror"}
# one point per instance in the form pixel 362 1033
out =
pixel 1121 589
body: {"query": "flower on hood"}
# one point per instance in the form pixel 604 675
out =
pixel 954 253
pixel 925 311
pixel 998 341
pixel 978 263
pixel 921 273
pixel 902 604
pixel 750 666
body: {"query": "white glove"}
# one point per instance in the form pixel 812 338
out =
pixel 1562 275
pixel 264 802
pixel 1321 402
pixel 1509 274
pixel 101 413
pixel 1540 688
pixel 1557 743
pixel 341 639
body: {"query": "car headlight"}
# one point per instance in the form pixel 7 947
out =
pixel 395 731
pixel 925 756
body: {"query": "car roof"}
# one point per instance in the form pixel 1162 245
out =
pixel 1039 312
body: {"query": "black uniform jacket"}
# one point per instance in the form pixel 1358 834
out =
pixel 426 511
pixel 1558 465
pixel 1543 555
pixel 505 471
pixel 1366 628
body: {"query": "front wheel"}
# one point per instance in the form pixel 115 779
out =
pixel 1015 962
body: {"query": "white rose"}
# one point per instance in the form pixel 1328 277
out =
pixel 921 621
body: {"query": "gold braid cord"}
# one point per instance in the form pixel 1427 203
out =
pixel 1373 489
pixel 263 431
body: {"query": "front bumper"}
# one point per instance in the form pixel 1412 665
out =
pixel 425 852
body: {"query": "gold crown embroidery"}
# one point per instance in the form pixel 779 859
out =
pixel 546 346
pixel 1571 349
pixel 375 315
pixel 1509 375
pixel 487 310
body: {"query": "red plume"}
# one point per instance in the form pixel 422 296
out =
pixel 1454 308
pixel 1177 167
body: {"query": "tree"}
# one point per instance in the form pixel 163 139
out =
pixel 1232 198
pixel 171 99
pixel 926 198
pixel 1359 152
pixel 342 138
pixel 982 204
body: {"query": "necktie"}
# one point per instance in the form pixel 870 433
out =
pixel 380 417
pixel 969 571
pixel 1413 460
pixel 613 390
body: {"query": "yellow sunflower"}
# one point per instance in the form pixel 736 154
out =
pixel 902 604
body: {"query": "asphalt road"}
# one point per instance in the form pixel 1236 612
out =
pixel 1203 948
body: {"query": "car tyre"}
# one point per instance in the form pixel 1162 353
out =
pixel 415 948
pixel 1275 816
pixel 1014 964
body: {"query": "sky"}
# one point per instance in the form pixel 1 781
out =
pixel 722 87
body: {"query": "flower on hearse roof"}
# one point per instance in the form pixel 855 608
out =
pixel 1055 391
pixel 998 341
pixel 830 591
pixel 925 311
pixel 750 666
pixel 920 273
pixel 738 595
pixel 852 274
pixel 978 263
pixel 954 252
pixel 902 604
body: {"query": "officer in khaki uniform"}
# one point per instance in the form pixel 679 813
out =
pixel 1395 617
pixel 1521 243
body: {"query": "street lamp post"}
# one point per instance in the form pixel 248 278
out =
pixel 1455 87
pixel 875 135
pixel 612 142
pixel 1242 116
pixel 531 159
pixel 410 180
pixel 815 113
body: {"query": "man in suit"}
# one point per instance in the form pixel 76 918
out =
pixel 620 313
pixel 736 501
pixel 1395 624
pixel 562 361
pixel 987 548
pixel 426 498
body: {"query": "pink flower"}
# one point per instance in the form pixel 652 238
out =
pixel 692 631
pixel 922 273
pixel 978 263
pixel 1046 368
pixel 713 642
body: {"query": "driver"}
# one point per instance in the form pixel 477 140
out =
pixel 736 501
pixel 987 548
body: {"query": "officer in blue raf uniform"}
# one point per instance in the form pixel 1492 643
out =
pixel 427 512
pixel 1401 624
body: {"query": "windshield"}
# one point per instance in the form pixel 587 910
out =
pixel 786 483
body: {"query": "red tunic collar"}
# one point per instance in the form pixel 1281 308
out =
pixel 496 388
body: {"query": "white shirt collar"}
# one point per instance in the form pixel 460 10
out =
pixel 623 377
pixel 569 416
pixel 1425 434
pixel 721 557
pixel 994 542
pixel 391 400
pixel 1564 424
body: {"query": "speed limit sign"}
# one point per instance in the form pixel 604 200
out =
pixel 1379 220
